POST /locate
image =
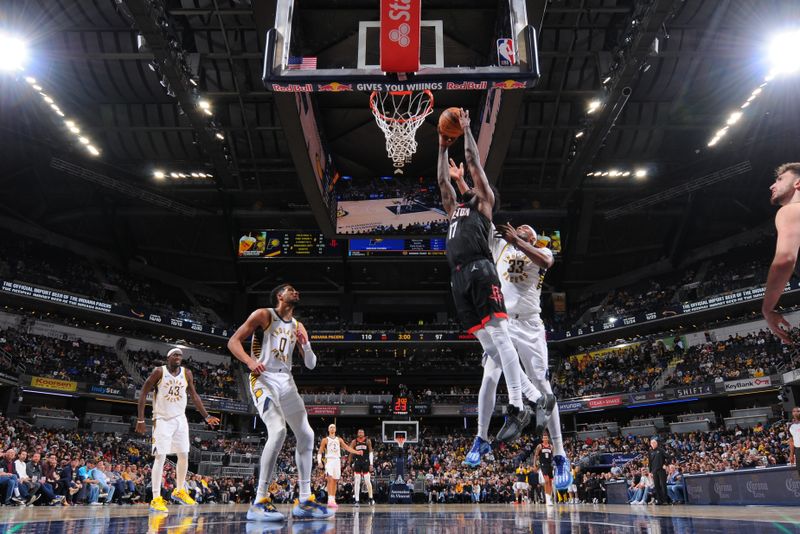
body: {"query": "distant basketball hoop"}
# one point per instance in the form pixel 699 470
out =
pixel 399 115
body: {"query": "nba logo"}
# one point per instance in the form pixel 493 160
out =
pixel 506 55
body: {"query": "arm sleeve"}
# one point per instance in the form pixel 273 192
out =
pixel 309 358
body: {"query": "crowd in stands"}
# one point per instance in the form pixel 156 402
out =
pixel 628 368
pixel 38 263
pixel 737 269
pixel 749 356
pixel 64 359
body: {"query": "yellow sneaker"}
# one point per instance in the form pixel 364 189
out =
pixel 158 505
pixel 181 496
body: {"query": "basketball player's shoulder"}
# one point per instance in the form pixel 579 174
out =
pixel 789 213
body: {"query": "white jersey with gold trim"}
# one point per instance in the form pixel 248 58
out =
pixel 333 451
pixel 170 395
pixel 275 346
pixel 520 278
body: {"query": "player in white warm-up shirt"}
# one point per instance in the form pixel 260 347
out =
pixel 332 446
pixel 275 332
pixel 794 440
pixel 172 385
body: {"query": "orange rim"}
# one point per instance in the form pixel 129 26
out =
pixel 400 93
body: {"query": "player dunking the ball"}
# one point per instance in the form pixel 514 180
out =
pixel 171 384
pixel 275 333
pixel 474 282
pixel 331 446
pixel 362 466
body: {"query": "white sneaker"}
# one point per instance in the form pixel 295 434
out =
pixel 548 500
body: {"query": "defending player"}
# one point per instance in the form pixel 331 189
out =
pixel 474 282
pixel 543 461
pixel 170 383
pixel 332 446
pixel 362 465
pixel 275 333
pixel 786 193
pixel 522 266
pixel 794 437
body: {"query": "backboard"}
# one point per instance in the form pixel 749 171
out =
pixel 390 430
pixel 328 47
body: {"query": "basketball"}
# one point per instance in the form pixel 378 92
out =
pixel 449 124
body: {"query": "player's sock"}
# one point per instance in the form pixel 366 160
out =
pixel 487 394
pixel 157 474
pixel 528 389
pixel 554 428
pixel 180 471
pixel 368 482
pixel 357 487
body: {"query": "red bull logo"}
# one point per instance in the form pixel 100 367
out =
pixel 335 87
pixel 293 88
pixel 509 84
pixel 466 86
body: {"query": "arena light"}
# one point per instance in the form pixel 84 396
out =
pixel 594 105
pixel 579 134
pixel 92 150
pixel 734 118
pixel 783 52
pixel 220 136
pixel 641 173
pixel 160 174
pixel 13 53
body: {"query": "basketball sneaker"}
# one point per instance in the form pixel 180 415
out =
pixel 158 505
pixel 264 510
pixel 515 422
pixel 182 496
pixel 310 509
pixel 479 447
pixel 544 408
pixel 562 474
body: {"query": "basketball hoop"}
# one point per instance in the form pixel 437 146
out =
pixel 401 440
pixel 399 115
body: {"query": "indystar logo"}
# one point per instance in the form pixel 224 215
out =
pixel 757 489
pixel 723 490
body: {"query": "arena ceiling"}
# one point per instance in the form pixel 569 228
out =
pixel 85 54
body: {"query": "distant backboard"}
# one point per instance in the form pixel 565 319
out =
pixel 408 429
pixel 475 45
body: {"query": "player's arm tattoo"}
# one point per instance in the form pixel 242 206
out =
pixel 445 187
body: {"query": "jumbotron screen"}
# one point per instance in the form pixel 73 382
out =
pixel 288 244
pixel 380 247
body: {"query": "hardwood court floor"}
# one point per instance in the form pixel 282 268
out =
pixel 365 215
pixel 442 519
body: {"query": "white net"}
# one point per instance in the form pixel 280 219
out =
pixel 399 114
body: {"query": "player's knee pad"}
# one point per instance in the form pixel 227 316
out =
pixel 367 479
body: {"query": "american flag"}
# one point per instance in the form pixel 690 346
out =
pixel 301 63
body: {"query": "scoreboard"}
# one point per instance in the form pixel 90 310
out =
pixel 380 247
pixel 288 244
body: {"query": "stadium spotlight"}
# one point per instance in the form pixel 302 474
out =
pixel 734 118
pixel 92 150
pixel 783 52
pixel 594 105
pixel 13 53
pixel 158 175
pixel 640 173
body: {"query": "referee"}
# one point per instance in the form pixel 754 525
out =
pixel 657 463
